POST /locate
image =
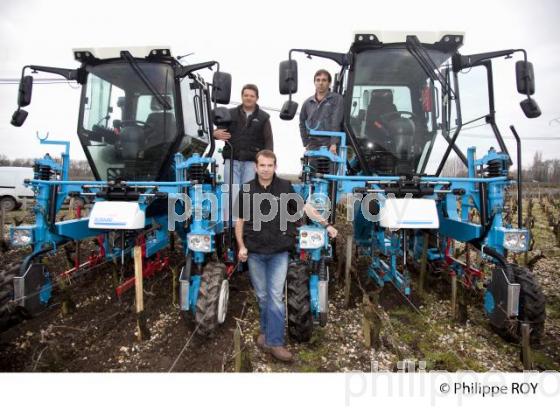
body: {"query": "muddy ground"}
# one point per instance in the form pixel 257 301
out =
pixel 99 334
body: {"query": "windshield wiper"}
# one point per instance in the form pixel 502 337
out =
pixel 418 51
pixel 140 73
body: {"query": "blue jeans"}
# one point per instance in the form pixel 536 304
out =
pixel 268 275
pixel 243 171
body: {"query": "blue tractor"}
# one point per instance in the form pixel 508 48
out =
pixel 145 124
pixel 402 94
pixel 309 273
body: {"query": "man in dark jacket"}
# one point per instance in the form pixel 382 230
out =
pixel 266 243
pixel 248 133
pixel 323 111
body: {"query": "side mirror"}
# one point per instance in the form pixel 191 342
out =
pixel 525 77
pixel 25 88
pixel 221 87
pixel 530 108
pixel 18 118
pixel 221 117
pixel 289 110
pixel 288 77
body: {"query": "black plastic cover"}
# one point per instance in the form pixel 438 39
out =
pixel 530 108
pixel 288 77
pixel 221 117
pixel 289 110
pixel 525 76
pixel 25 89
pixel 221 87
pixel 18 118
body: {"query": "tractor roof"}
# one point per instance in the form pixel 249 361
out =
pixel 426 37
pixel 104 53
pixel 440 39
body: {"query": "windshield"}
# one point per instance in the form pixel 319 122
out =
pixel 394 109
pixel 125 130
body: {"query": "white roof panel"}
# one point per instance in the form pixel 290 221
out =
pixel 426 37
pixel 103 53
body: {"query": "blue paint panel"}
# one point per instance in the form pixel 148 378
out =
pixel 314 293
pixel 193 292
pixel 462 231
pixel 434 254
pixel 76 229
pixel 45 292
pixel 489 303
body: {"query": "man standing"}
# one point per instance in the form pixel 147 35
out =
pixel 323 111
pixel 266 245
pixel 248 133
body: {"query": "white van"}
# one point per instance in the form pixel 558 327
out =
pixel 12 189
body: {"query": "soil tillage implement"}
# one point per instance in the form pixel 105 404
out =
pixel 145 125
pixel 402 94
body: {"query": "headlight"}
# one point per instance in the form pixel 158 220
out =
pixel 311 238
pixel 516 241
pixel 320 202
pixel 199 243
pixel 21 237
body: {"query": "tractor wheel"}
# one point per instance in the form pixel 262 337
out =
pixel 348 269
pixel 532 305
pixel 336 262
pixel 300 320
pixel 207 304
pixel 8 313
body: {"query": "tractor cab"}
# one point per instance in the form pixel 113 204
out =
pixel 128 121
pixel 393 109
pixel 401 91
pixel 138 107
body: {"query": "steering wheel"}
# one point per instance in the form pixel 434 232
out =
pixel 387 117
pixel 135 122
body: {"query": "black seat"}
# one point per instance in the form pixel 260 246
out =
pixel 161 128
pixel 160 124
pixel 380 104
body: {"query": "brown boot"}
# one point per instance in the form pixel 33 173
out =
pixel 281 353
pixel 261 342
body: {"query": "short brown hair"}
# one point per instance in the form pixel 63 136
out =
pixel 250 87
pixel 267 154
pixel 322 71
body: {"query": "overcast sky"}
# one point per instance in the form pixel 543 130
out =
pixel 250 38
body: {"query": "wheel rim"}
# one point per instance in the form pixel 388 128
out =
pixel 223 301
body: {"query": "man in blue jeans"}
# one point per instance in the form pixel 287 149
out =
pixel 266 244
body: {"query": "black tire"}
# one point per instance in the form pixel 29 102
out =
pixel 349 252
pixel 532 303
pixel 8 312
pixel 206 316
pixel 532 308
pixel 8 203
pixel 300 319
